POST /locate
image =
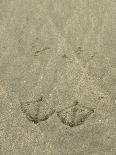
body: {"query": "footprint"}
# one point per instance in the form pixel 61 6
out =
pixel 42 50
pixel 37 110
pixel 74 115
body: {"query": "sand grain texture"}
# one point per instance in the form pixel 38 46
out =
pixel 66 51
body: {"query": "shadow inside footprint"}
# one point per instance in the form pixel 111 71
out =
pixel 37 110
pixel 74 115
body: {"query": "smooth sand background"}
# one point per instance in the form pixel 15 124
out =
pixel 87 74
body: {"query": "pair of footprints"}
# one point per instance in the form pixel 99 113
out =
pixel 39 110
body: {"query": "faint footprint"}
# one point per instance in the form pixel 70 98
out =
pixel 37 110
pixel 39 51
pixel 85 56
pixel 74 115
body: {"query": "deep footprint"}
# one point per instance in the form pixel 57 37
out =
pixel 74 115
pixel 37 110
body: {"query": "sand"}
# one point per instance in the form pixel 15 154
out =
pixel 54 54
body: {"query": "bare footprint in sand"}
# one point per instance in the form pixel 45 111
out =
pixel 74 115
pixel 37 110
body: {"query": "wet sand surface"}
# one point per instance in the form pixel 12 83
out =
pixel 57 77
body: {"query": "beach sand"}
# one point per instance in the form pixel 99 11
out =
pixel 54 54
